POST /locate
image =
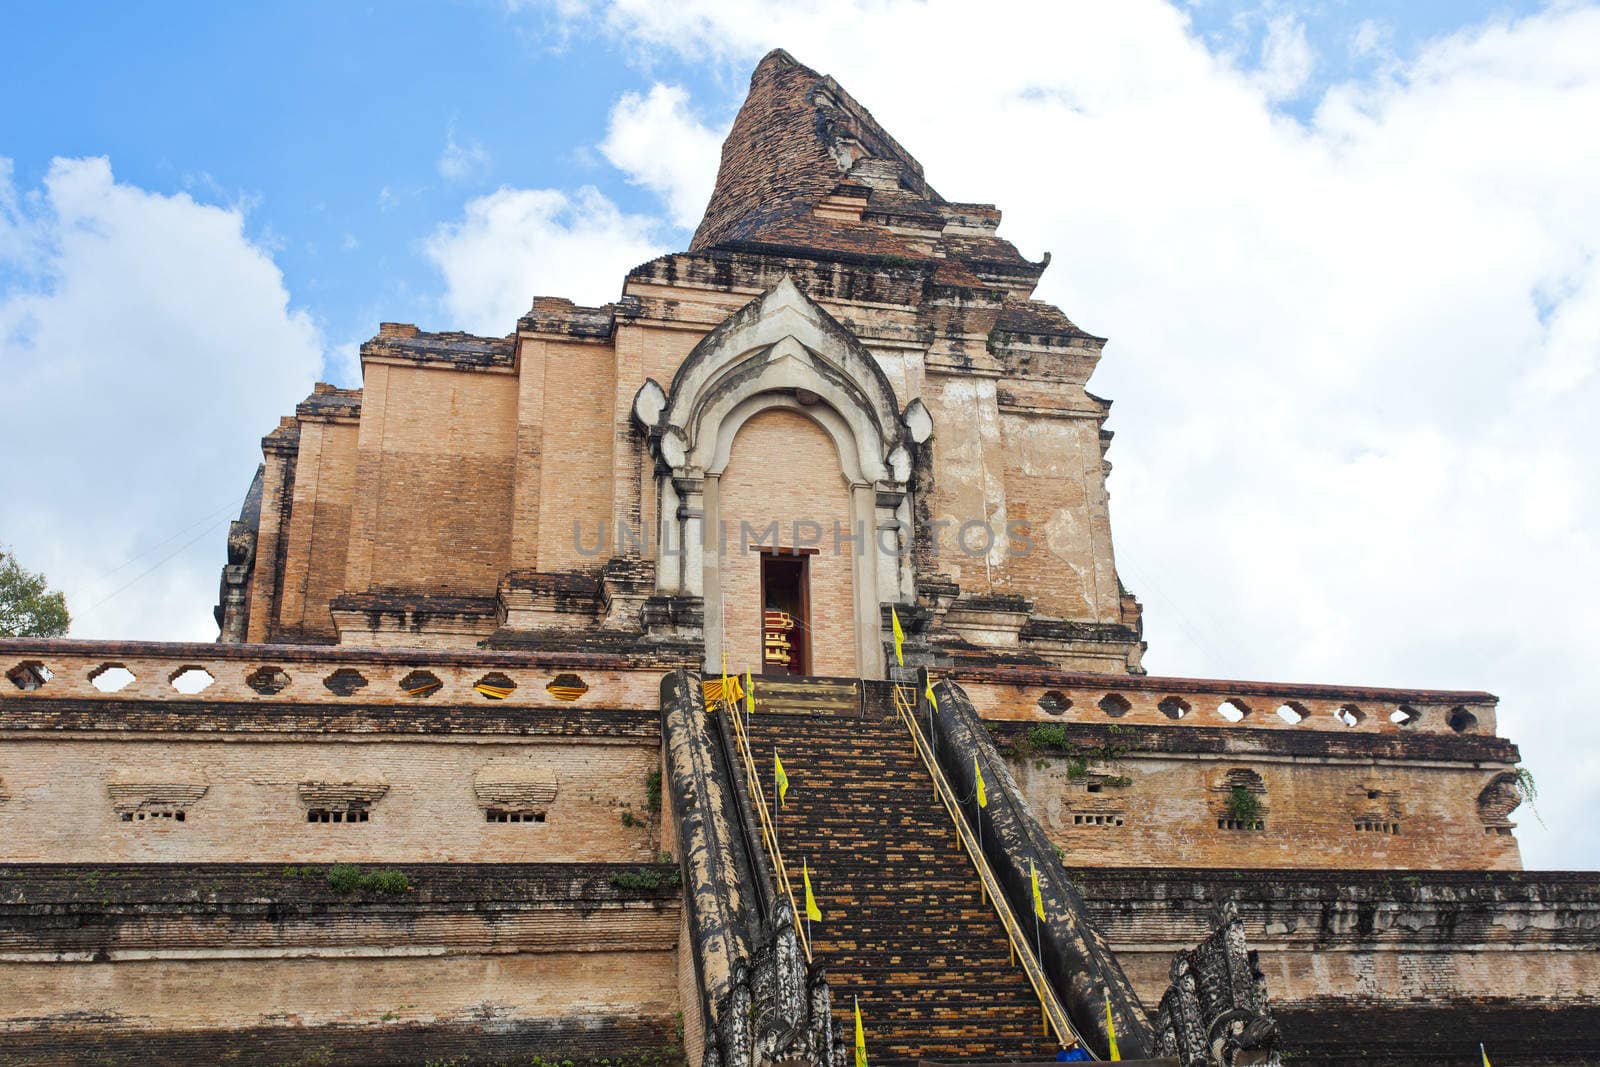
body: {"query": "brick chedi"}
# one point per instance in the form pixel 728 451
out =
pixel 447 787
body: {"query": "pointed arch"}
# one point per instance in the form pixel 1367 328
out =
pixel 781 350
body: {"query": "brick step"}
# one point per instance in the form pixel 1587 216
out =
pixel 907 929
pixel 962 965
pixel 986 987
pixel 966 935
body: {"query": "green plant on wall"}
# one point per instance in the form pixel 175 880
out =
pixel 1243 805
pixel 652 791
pixel 1528 790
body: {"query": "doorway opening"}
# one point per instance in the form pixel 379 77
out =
pixel 785 613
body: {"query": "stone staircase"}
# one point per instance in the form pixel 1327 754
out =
pixel 904 927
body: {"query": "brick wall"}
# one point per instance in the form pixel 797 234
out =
pixel 576 454
pixel 784 468
pixel 1169 810
pixel 62 799
pixel 434 481
pixel 1405 937
pixel 1053 482
pixel 319 528
pixel 261 964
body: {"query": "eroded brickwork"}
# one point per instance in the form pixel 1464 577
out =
pixel 199 963
pixel 419 801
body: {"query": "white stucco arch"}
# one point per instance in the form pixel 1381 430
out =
pixel 779 351
pixel 833 424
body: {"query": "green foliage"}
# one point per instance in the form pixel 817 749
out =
pixel 1528 790
pixel 27 606
pixel 1243 805
pixel 652 791
pixel 1048 736
pixel 646 878
pixel 348 878
pixel 1051 739
pixel 630 820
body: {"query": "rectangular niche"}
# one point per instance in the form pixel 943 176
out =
pixel 514 792
pixel 341 802
pixel 153 802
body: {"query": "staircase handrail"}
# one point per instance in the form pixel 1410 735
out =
pixel 769 829
pixel 1055 1015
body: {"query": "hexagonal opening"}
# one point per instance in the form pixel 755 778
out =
pixel 1055 703
pixel 268 681
pixel 344 681
pixel 1174 707
pixel 190 679
pixel 111 677
pixel 1461 720
pixel 1349 714
pixel 1115 705
pixel 29 675
pixel 495 686
pixel 1293 712
pixel 1405 715
pixel 1233 709
pixel 420 684
pixel 567 687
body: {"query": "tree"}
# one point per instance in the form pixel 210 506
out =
pixel 27 607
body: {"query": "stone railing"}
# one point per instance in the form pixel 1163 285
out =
pixel 175 673
pixel 1061 696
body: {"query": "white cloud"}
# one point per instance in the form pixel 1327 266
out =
pixel 515 244
pixel 461 161
pixel 1286 59
pixel 1354 359
pixel 146 345
pixel 660 144
pixel 1373 38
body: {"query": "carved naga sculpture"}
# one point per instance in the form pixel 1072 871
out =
pixel 1215 1013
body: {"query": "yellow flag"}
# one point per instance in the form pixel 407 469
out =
pixel 749 694
pixel 1038 899
pixel 861 1039
pixel 1484 1054
pixel 779 778
pixel 983 794
pixel 899 636
pixel 813 912
pixel 1111 1029
pixel 931 698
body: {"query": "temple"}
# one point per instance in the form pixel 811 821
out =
pixel 514 640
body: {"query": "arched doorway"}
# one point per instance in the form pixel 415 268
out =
pixel 779 413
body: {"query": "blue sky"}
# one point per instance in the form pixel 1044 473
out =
pixel 1347 254
pixel 327 121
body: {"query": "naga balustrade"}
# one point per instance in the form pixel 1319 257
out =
pixel 729 707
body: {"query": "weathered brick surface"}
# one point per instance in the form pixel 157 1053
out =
pixel 1312 813
pixel 433 494
pixel 319 528
pixel 262 964
pixel 1398 937
pixel 254 806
